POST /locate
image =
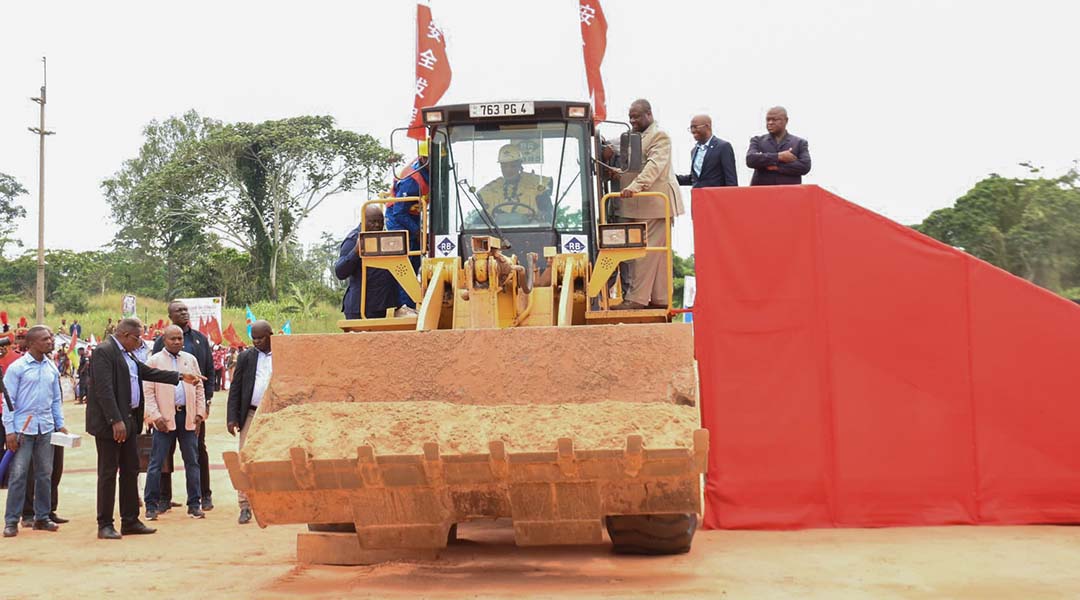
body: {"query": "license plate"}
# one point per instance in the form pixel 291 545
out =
pixel 500 109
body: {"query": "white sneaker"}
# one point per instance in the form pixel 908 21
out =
pixel 405 311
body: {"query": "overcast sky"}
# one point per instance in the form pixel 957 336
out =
pixel 906 104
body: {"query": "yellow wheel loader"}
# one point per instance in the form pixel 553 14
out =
pixel 518 389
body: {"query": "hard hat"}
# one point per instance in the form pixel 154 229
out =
pixel 509 153
pixel 422 148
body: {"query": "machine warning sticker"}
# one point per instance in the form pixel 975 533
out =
pixel 573 243
pixel 445 245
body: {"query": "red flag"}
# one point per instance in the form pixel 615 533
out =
pixel 213 330
pixel 594 44
pixel 73 349
pixel 432 68
pixel 232 338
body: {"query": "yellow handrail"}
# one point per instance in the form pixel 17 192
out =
pixel 667 234
pixel 363 224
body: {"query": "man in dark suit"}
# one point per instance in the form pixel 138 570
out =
pixel 114 416
pixel 250 379
pixel 712 161
pixel 778 158
pixel 382 288
pixel 195 344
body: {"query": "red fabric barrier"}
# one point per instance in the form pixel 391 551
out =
pixel 857 373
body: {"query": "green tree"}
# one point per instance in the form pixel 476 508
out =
pixel 1029 227
pixel 148 201
pixel 680 268
pixel 10 211
pixel 256 183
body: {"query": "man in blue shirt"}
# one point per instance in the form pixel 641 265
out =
pixel 33 384
pixel 414 182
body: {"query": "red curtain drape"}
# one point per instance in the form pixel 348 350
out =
pixel 857 373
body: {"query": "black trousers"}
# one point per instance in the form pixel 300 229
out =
pixel 113 457
pixel 57 473
pixel 204 469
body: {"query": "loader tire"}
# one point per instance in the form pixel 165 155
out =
pixel 652 534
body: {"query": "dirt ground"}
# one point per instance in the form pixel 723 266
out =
pixel 216 558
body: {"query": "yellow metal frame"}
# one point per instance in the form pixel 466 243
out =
pixel 399 266
pixel 442 272
pixel 608 259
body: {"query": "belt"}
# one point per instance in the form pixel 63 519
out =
pixel 180 407
pixel 253 408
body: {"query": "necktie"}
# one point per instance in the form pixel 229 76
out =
pixel 699 158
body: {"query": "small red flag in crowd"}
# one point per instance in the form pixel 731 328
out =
pixel 594 38
pixel 231 337
pixel 432 68
pixel 211 329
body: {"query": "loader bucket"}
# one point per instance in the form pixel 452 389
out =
pixel 405 434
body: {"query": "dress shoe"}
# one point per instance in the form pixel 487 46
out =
pixel 174 504
pixel 27 522
pixel 136 528
pixel 151 514
pixel 11 530
pixel 207 504
pixel 628 305
pixel 196 513
pixel 245 516
pixel 108 533
pixel 45 525
pixel 56 519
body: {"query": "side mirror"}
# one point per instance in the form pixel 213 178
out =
pixel 630 151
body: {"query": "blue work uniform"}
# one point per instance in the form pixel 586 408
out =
pixel 406 215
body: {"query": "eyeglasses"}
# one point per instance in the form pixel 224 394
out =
pixel 694 128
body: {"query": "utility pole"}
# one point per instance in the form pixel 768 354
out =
pixel 42 132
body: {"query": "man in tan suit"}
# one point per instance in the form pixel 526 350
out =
pixel 648 275
pixel 175 412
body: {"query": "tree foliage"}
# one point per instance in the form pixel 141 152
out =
pixel 1029 227
pixel 148 203
pixel 10 211
pixel 254 184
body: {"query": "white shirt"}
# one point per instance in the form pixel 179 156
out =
pixel 699 157
pixel 180 397
pixel 264 366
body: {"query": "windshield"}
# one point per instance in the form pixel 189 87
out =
pixel 517 176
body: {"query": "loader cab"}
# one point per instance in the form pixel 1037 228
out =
pixel 519 171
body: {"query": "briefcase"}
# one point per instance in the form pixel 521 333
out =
pixel 144 442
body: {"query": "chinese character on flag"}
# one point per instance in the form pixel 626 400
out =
pixel 432 68
pixel 594 44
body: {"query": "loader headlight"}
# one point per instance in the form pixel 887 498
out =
pixel 384 243
pixel 576 112
pixel 623 235
pixel 433 116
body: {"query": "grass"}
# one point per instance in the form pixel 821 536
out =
pixel 323 319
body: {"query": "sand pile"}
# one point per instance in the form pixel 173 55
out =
pixel 335 429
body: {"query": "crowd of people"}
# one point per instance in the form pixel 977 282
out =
pixel 161 379
pixel 158 380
